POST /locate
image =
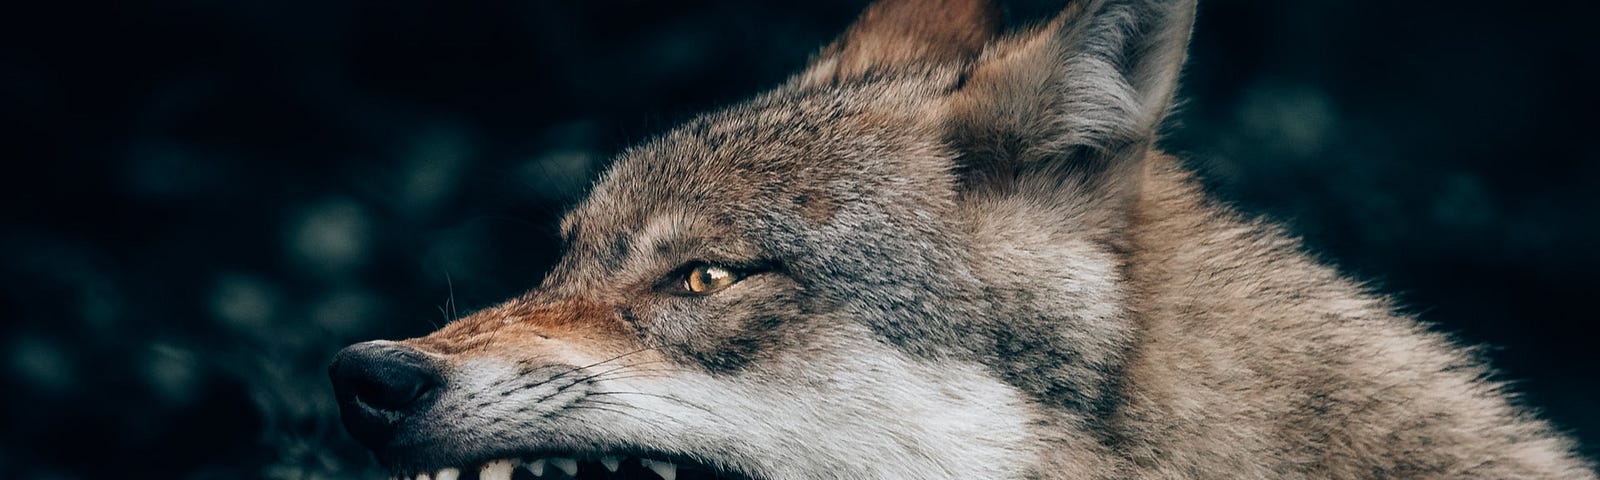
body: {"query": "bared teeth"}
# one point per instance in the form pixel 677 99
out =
pixel 497 470
pixel 567 465
pixel 536 467
pixel 502 469
pixel 666 470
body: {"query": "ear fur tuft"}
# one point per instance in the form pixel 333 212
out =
pixel 1080 98
pixel 901 36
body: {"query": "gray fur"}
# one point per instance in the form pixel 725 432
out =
pixel 965 263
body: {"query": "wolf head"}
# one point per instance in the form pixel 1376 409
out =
pixel 904 262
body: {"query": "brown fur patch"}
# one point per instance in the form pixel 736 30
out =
pixel 900 35
pixel 521 324
pixel 817 208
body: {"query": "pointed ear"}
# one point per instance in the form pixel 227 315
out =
pixel 897 36
pixel 1079 100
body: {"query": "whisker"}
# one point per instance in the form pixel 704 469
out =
pixel 642 374
pixel 592 365
pixel 629 371
pixel 591 377
pixel 666 397
pixel 634 368
pixel 635 407
pixel 577 406
pixel 563 388
pixel 451 286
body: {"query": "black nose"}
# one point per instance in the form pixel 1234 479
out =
pixel 378 385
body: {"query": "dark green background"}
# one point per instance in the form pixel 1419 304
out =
pixel 203 200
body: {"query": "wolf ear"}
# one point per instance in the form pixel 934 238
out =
pixel 1077 101
pixel 897 36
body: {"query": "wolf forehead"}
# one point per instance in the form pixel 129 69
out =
pixel 798 154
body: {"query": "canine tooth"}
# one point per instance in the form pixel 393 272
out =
pixel 447 474
pixel 611 463
pixel 567 465
pixel 666 470
pixel 535 467
pixel 496 470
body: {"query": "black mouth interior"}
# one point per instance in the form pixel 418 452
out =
pixel 593 468
pixel 628 469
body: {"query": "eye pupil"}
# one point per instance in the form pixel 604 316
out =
pixel 708 278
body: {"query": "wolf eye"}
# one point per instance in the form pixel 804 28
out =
pixel 706 279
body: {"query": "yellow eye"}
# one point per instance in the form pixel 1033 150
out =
pixel 707 279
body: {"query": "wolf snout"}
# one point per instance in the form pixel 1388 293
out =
pixel 378 385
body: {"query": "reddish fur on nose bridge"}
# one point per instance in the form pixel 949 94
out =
pixel 520 324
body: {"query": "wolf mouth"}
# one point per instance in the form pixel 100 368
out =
pixel 567 466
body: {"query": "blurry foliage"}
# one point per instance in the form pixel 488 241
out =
pixel 203 200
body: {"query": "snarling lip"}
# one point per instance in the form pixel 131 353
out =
pixel 566 466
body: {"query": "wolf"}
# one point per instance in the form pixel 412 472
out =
pixel 944 249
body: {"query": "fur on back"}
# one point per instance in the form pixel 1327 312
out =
pixel 1251 350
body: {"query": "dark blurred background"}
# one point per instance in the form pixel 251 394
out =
pixel 203 200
